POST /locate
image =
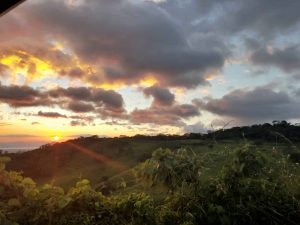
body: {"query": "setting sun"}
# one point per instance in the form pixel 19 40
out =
pixel 56 138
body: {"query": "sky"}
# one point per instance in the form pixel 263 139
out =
pixel 72 68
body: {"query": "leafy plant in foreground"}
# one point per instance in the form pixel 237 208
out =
pixel 251 189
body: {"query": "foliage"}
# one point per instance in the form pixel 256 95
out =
pixel 62 163
pixel 173 169
pixel 251 189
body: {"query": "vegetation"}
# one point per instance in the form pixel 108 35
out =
pixel 187 181
pixel 63 163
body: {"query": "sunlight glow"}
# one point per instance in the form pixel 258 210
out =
pixel 56 138
pixel 29 65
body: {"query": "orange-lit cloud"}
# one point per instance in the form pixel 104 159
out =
pixel 20 62
pixel 103 54
pixel 34 67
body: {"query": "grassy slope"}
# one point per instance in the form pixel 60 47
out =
pixel 63 164
pixel 213 159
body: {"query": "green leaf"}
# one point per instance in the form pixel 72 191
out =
pixel 85 182
pixel 242 167
pixel 30 193
pixel 63 202
pixel 28 181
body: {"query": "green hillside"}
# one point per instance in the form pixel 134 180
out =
pixel 191 179
pixel 65 163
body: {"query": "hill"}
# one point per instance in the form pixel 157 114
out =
pixel 98 159
pixel 213 178
pixel 90 157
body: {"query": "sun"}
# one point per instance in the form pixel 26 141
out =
pixel 56 138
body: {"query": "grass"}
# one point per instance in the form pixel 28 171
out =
pixel 64 167
pixel 213 160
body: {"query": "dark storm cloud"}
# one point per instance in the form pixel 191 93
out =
pixel 109 98
pixel 51 114
pixel 107 103
pixel 297 92
pixel 265 21
pixel 162 96
pixel 259 104
pixel 287 59
pixel 21 96
pixel 16 92
pixel 265 17
pixel 109 31
pixel 78 93
pixel 76 72
pixel 80 107
pixel 168 115
pixel 175 41
pixel 234 20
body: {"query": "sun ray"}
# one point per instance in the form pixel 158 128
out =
pixel 99 157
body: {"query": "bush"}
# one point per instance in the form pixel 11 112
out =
pixel 248 191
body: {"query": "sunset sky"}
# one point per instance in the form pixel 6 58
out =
pixel 73 68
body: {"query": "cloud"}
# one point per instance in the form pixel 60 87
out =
pixel 83 99
pixel 88 119
pixel 36 60
pixel 164 110
pixel 115 123
pixel 4 124
pixel 51 114
pixel 162 96
pixel 18 136
pixel 109 98
pixel 287 59
pixel 198 127
pixel 105 103
pixel 80 107
pixel 82 120
pixel 78 93
pixel 121 48
pixel 20 96
pixel 3 70
pixel 257 105
pixel 158 45
pixel 168 115
pixel 75 123
pixel 264 17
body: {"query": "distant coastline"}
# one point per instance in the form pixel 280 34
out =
pixel 16 149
